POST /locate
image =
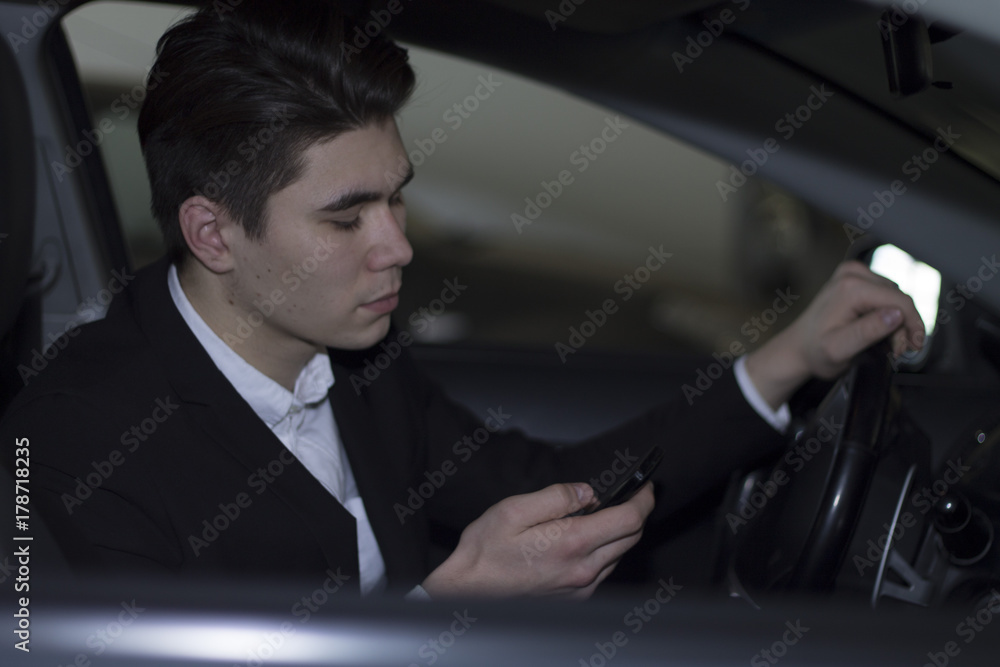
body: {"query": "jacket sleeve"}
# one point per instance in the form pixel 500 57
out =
pixel 705 439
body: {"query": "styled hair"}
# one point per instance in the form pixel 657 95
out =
pixel 240 90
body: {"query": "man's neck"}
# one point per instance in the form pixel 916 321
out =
pixel 248 333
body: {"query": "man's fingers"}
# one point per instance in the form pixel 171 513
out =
pixel 847 341
pixel 900 341
pixel 598 541
pixel 593 540
pixel 857 269
pixel 527 544
pixel 552 502
pixel 851 267
pixel 613 524
pixel 868 296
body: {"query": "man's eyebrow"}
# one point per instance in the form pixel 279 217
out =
pixel 350 199
pixel 406 178
pixel 353 198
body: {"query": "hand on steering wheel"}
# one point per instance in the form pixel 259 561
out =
pixel 855 309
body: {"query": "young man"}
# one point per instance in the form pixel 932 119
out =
pixel 170 437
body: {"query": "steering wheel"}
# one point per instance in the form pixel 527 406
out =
pixel 791 524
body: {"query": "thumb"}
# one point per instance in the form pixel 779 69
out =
pixel 552 502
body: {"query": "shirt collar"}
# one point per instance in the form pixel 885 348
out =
pixel 269 400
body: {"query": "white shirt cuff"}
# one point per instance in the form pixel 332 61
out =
pixel 779 418
pixel 418 593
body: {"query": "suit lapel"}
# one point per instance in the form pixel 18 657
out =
pixel 231 423
pixel 240 432
pixel 380 468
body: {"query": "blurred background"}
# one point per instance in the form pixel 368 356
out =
pixel 484 142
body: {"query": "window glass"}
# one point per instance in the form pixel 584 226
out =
pixel 537 218
pixel 113 44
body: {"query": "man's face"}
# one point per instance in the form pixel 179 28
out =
pixel 331 259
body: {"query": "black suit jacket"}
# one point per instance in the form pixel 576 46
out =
pixel 144 457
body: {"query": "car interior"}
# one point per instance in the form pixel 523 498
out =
pixel 760 142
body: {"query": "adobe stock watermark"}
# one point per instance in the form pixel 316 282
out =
pixel 786 126
pixel 363 35
pixel 103 637
pixel 627 286
pixel 454 117
pixel 635 620
pixel 968 629
pixel 779 649
pixel 272 642
pixel 964 292
pixel 249 149
pixel 224 6
pixel 90 310
pixel 6 569
pixel 432 650
pixel 610 476
pixel 420 320
pixel 37 21
pixel 558 15
pixel 752 329
pixel 308 605
pixel 581 158
pixel 130 439
pixel 896 16
pixel 914 168
pixel 957 297
pixel 463 450
pixel 544 539
pixel 229 512
pixel 123 105
pixel 796 458
pixel 293 278
pixel 923 501
pixel 696 44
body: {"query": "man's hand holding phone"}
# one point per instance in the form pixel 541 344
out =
pixel 536 544
pixel 627 485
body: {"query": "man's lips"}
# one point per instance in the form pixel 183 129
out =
pixel 384 304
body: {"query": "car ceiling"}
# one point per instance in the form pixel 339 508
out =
pixel 835 40
pixel 842 43
pixel 607 16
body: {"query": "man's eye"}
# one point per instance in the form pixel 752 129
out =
pixel 348 224
pixel 396 199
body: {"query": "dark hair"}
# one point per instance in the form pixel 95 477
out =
pixel 238 91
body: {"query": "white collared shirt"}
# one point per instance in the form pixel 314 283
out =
pixel 780 418
pixel 302 420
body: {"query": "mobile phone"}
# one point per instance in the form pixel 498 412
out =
pixel 628 484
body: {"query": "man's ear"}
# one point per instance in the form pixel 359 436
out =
pixel 207 229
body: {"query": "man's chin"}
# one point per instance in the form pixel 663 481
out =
pixel 362 340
